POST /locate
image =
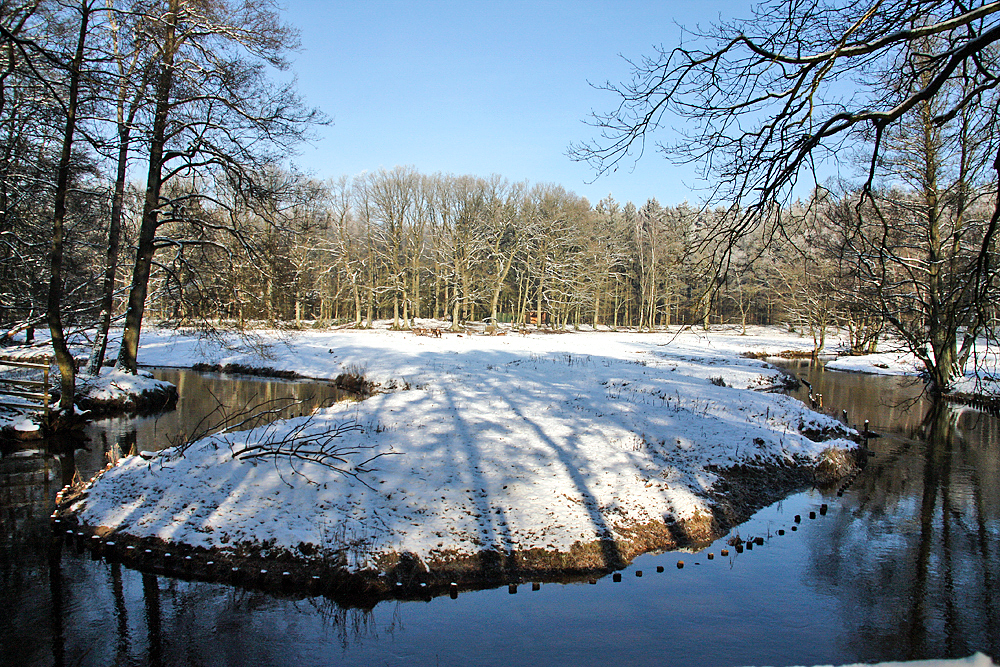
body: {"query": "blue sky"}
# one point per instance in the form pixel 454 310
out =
pixel 470 87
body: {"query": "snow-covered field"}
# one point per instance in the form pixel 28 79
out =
pixel 483 442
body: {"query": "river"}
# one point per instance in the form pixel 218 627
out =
pixel 905 564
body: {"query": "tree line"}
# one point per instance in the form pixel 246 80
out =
pixel 400 245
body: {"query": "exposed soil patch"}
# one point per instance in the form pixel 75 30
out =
pixel 742 490
pixel 355 384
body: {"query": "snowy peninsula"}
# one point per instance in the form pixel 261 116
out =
pixel 544 443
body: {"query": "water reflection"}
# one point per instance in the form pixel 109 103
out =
pixel 208 401
pixel 915 555
pixel 918 558
pixel 889 402
pixel 59 603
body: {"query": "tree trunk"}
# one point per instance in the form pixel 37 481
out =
pixel 67 369
pixel 370 306
pixel 617 306
pixel 415 290
pixel 706 308
pixel 128 353
pixel 466 292
pixel 114 242
pixel 124 119
pixel 500 276
pixel 522 298
pixel 541 285
pixel 940 324
pixel 357 302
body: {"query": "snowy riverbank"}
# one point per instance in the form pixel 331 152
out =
pixel 981 377
pixel 516 444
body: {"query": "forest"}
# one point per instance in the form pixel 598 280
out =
pixel 144 173
pixel 397 244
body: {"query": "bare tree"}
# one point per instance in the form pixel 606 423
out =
pixel 67 367
pixel 804 83
pixel 398 202
pixel 502 234
pixel 213 111
pixel 461 206
pixel 130 59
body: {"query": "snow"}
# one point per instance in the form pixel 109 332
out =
pixel 482 442
pixel 982 371
pixel 23 424
pixel 976 660
pixel 115 385
pixel 309 352
pixel 882 363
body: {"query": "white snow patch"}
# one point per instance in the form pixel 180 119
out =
pixel 882 363
pixel 975 660
pixel 113 384
pixel 981 374
pixel 511 442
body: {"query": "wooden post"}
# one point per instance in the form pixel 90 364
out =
pixel 45 393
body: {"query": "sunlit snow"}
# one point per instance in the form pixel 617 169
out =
pixel 484 442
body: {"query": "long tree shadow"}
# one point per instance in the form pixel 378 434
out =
pixel 609 550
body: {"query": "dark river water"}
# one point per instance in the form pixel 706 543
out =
pixel 904 565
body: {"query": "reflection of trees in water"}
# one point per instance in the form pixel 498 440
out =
pixel 893 403
pixel 914 555
pixel 154 620
pixel 199 623
pixel 206 400
pixel 353 626
pixel 28 484
pixel 103 613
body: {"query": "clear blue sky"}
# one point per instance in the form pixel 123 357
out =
pixel 482 87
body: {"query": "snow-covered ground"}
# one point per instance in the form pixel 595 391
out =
pixel 977 660
pixel 483 442
pixel 880 363
pixel 982 371
pixel 114 385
